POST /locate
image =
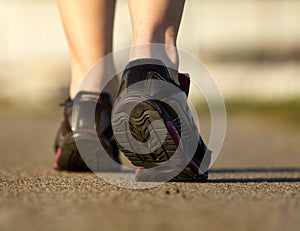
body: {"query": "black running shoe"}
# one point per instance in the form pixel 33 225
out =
pixel 67 154
pixel 144 104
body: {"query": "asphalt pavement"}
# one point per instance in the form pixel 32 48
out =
pixel 254 184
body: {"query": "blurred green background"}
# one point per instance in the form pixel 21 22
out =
pixel 251 47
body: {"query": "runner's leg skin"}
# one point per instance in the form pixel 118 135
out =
pixel 89 31
pixel 156 21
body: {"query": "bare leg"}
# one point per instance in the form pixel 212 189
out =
pixel 156 21
pixel 89 30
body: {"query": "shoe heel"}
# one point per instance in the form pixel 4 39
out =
pixel 94 155
pixel 136 124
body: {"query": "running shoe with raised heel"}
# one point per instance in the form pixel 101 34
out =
pixel 139 105
pixel 86 130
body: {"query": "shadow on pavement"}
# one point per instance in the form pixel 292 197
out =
pixel 255 170
pixel 256 179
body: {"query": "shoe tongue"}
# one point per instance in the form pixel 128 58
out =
pixel 184 81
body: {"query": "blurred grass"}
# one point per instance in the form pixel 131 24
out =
pixel 43 109
pixel 278 111
pixel 286 107
pixel 287 111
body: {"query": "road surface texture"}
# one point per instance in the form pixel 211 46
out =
pixel 254 185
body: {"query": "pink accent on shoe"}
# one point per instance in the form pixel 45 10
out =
pixel 153 104
pixel 137 171
pixel 57 155
pixel 184 81
pixel 176 136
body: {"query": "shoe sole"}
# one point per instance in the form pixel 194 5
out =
pixel 139 120
pixel 69 158
pixel 186 175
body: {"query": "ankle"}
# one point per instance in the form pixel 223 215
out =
pixel 93 80
pixel 166 53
